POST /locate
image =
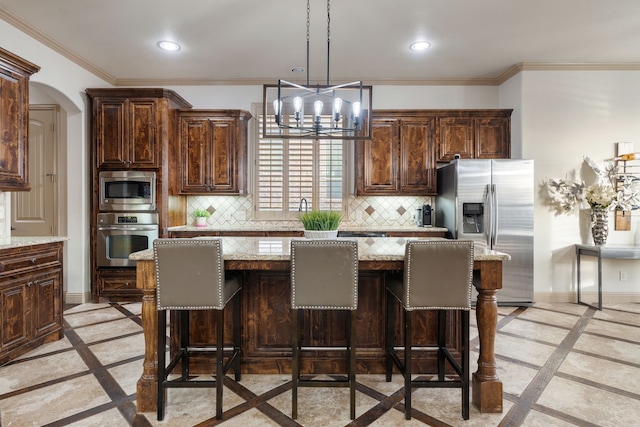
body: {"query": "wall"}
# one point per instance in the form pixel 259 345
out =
pixel 565 116
pixel 65 82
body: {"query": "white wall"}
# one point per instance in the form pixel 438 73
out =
pixel 65 82
pixel 565 116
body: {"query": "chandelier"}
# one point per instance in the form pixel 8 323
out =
pixel 292 110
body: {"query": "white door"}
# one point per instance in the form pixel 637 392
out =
pixel 33 213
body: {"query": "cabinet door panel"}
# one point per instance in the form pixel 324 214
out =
pixel 456 137
pixel 14 305
pixel 14 121
pixel 492 138
pixel 378 159
pixel 47 302
pixel 417 171
pixel 223 157
pixel 109 132
pixel 194 135
pixel 142 136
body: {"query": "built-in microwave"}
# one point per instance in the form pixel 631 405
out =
pixel 127 191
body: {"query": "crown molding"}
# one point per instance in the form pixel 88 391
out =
pixel 515 69
pixel 566 66
pixel 30 30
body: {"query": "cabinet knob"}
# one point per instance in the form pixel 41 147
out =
pixel 34 261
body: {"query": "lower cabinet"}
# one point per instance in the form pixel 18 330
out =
pixel 117 284
pixel 266 328
pixel 30 298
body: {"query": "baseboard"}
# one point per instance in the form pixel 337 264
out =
pixel 77 298
pixel 612 298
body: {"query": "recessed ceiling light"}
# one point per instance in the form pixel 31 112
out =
pixel 168 45
pixel 422 45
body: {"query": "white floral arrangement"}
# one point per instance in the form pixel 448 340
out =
pixel 568 195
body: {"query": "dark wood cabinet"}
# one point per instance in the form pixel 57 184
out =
pixel 30 298
pixel 117 284
pixel 400 157
pixel 132 128
pixel 14 121
pixel 475 134
pixel 125 133
pixel 213 151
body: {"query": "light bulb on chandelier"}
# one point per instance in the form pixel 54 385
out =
pixel 284 105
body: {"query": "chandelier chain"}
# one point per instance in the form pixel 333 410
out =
pixel 328 20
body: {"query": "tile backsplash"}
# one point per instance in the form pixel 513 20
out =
pixel 368 211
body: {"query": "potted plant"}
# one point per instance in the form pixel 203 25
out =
pixel 321 224
pixel 201 217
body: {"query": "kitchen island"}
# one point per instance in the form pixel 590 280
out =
pixel 263 263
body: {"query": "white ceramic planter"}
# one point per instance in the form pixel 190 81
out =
pixel 320 234
pixel 201 221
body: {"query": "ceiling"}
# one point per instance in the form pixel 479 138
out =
pixel 260 41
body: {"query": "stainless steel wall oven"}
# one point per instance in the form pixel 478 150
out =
pixel 121 234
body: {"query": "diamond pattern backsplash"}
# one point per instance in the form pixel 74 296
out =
pixel 229 211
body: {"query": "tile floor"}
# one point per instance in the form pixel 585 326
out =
pixel 560 364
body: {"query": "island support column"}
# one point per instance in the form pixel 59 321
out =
pixel 147 387
pixel 485 384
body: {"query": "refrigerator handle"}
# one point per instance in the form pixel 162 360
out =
pixel 488 222
pixel 494 216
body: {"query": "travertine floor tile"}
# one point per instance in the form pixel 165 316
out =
pixel 590 404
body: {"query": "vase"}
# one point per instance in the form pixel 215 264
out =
pixel 201 221
pixel 320 234
pixel 599 225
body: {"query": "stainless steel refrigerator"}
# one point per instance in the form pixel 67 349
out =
pixel 491 203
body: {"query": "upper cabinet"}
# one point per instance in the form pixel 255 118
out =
pixel 14 121
pixel 131 126
pixel 474 134
pixel 400 157
pixel 213 151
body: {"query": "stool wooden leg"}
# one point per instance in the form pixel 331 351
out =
pixel 184 343
pixel 237 337
pixel 351 328
pixel 389 335
pixel 219 361
pixel 465 364
pixel 408 330
pixel 295 361
pixel 161 351
pixel 442 342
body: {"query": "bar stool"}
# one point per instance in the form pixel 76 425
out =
pixel 438 275
pixel 190 276
pixel 324 276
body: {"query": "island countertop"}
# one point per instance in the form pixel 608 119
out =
pixel 298 228
pixel 278 249
pixel 264 265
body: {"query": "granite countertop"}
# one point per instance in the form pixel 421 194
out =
pixel 19 241
pixel 257 227
pixel 277 249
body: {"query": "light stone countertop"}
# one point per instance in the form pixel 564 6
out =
pixel 20 241
pixel 292 228
pixel 278 249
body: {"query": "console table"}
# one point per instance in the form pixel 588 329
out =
pixel 603 252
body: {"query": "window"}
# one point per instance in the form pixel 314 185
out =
pixel 288 170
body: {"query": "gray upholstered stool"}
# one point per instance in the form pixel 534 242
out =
pixel 190 276
pixel 438 275
pixel 324 276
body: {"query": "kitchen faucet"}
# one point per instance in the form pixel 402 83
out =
pixel 305 205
